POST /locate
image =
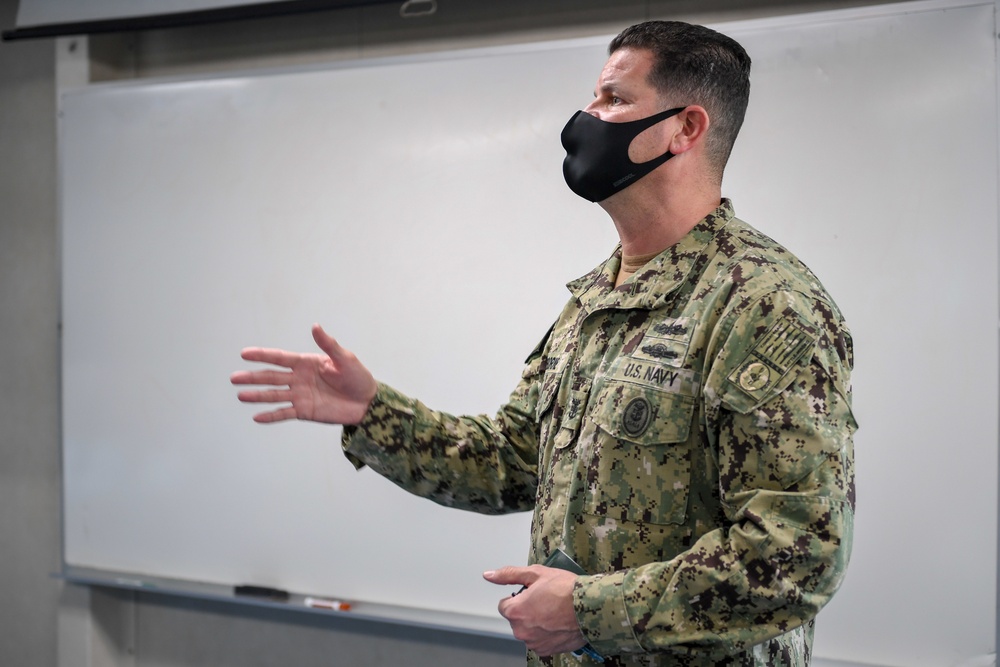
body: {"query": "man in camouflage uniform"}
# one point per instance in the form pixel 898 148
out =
pixel 684 430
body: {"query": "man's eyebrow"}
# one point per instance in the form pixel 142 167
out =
pixel 606 87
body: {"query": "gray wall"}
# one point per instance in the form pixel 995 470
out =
pixel 29 315
pixel 44 622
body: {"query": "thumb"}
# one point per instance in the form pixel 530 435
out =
pixel 326 342
pixel 511 575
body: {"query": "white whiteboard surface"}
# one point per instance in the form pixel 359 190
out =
pixel 416 208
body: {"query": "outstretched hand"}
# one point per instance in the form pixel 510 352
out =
pixel 334 387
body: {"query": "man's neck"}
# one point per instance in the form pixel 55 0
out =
pixel 648 226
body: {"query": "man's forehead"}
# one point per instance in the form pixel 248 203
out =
pixel 625 66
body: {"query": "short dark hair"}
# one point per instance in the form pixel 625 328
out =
pixel 693 64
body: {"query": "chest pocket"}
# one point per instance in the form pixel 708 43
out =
pixel 641 464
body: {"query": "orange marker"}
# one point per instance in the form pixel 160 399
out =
pixel 333 605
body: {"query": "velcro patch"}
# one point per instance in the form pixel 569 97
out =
pixel 656 376
pixel 771 357
pixel 666 342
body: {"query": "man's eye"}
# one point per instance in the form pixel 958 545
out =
pixel 615 101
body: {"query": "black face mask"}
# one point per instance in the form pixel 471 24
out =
pixel 597 164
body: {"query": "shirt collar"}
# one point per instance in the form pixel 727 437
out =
pixel 649 287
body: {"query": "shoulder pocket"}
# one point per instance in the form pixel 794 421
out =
pixel 770 364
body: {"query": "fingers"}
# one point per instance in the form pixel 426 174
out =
pixel 277 357
pixel 270 356
pixel 523 576
pixel 284 414
pixel 275 378
pixel 265 396
pixel 544 617
pixel 314 385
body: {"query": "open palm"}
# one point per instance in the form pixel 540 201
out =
pixel 334 387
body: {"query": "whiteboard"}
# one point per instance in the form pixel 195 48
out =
pixel 416 208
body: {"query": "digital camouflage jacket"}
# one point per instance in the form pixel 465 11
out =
pixel 685 437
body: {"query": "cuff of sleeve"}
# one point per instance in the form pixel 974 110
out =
pixel 346 438
pixel 381 424
pixel 599 601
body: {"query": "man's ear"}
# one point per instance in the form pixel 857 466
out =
pixel 692 125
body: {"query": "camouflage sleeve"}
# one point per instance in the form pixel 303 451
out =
pixel 473 463
pixel 779 428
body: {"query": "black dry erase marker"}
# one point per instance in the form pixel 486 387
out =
pixel 261 592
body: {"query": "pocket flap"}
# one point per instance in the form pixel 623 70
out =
pixel 643 415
